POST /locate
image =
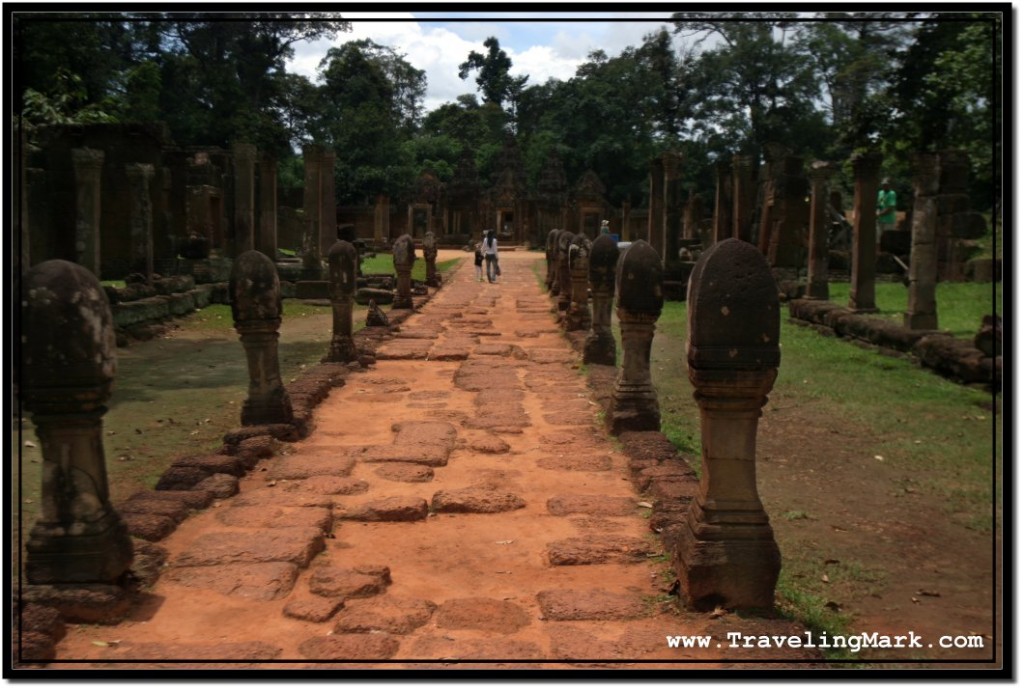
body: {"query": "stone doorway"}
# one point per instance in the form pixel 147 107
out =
pixel 506 223
pixel 590 223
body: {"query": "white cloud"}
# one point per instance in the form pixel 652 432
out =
pixel 543 50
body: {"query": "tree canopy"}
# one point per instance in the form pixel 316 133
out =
pixel 706 85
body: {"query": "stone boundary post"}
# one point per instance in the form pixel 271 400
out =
pixel 726 554
pixel 430 257
pixel 564 277
pixel 577 317
pixel 599 348
pixel 256 309
pixel 342 263
pixel 69 360
pixel 404 256
pixel 551 255
pixel 634 402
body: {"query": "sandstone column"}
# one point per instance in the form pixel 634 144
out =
pixel 673 206
pixel 381 220
pixel 88 184
pixel 577 317
pixel 726 553
pixel 342 264
pixel 744 188
pixel 430 257
pixel 922 312
pixel 723 202
pixel 955 221
pixel 865 192
pixel 244 156
pixel 404 256
pixel 69 360
pixel 328 206
pixel 634 402
pixel 817 254
pixel 785 244
pixel 656 208
pixel 139 176
pixel 311 209
pixel 599 348
pixel 689 217
pixel 256 309
pixel 267 243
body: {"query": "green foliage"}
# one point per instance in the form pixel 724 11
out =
pixel 493 79
pixel 66 103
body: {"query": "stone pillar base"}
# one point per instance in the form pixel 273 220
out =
pixel 101 555
pixel 921 322
pixel 727 559
pixel 343 349
pixel 577 318
pixel 817 291
pixel 632 413
pixel 274 409
pixel 599 349
pixel 84 603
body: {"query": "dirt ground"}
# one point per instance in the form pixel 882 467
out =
pixel 487 577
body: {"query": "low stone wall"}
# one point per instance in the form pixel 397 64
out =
pixel 143 316
pixel 954 358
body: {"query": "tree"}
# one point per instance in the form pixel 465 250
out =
pixel 87 79
pixel 757 88
pixel 362 117
pixel 224 74
pixel 493 78
pixel 943 94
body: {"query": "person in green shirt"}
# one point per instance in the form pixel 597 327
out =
pixel 885 207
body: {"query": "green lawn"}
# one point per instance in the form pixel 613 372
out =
pixel 960 305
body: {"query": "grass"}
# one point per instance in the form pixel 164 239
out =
pixel 960 305
pixel 384 264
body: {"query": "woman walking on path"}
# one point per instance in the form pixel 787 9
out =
pixel 491 255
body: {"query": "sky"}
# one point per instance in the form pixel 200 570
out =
pixel 541 45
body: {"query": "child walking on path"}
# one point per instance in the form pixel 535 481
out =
pixel 478 260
